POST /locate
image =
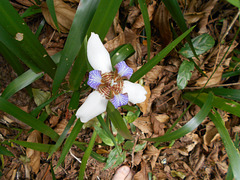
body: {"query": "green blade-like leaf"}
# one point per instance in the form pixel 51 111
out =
pixel 103 17
pixel 60 140
pixel 189 126
pixel 86 155
pixel 184 74
pixel 144 10
pixel 5 152
pixel 118 121
pixel 121 53
pixel 232 151
pixel 27 118
pixel 93 154
pixel 20 82
pixel 69 141
pixel 35 146
pixel 201 44
pixel 24 39
pixel 235 3
pixel 81 22
pixel 11 59
pixel 154 61
pixel 221 103
pixel 31 11
pixel 51 8
pixel 80 67
pixel 114 158
pixel 233 94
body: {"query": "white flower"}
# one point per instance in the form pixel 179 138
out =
pixel 108 85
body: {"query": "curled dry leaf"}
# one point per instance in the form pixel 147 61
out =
pixel 139 23
pixel 193 17
pixel 61 126
pixel 161 21
pixel 64 13
pixel 211 133
pixel 152 153
pixel 154 74
pixel 207 11
pixel 35 137
pixel 143 174
pixel 114 43
pixel 216 78
pixel 144 105
pixel 158 122
pixel 144 124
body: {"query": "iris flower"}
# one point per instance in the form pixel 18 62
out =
pixel 109 85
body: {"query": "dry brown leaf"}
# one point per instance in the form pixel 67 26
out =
pixel 154 75
pixel 152 153
pixel 26 2
pixel 211 132
pixel 138 158
pixel 139 23
pixel 64 13
pixel 161 21
pixel 144 105
pixel 193 17
pixel 61 126
pixel 35 137
pixel 144 124
pixel 216 78
pixel 54 119
pixel 117 41
pixel 158 123
pixel 204 21
pixel 143 174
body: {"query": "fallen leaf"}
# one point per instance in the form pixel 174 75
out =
pixel 61 126
pixel 193 17
pixel 216 78
pixel 154 75
pixel 64 13
pixel 35 137
pixel 144 105
pixel 26 2
pixel 143 174
pixel 152 153
pixel 144 124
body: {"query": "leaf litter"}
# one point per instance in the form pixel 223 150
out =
pixel 198 155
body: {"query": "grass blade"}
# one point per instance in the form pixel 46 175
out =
pixel 20 33
pixel 189 126
pixel 27 118
pixel 154 61
pixel 20 82
pixel 233 94
pixel 81 22
pixel 35 146
pixel 221 103
pixel 118 121
pixel 69 141
pixel 50 4
pixel 144 10
pixel 86 155
pixel 4 151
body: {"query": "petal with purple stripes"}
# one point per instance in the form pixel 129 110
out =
pixel 94 79
pixel 119 100
pixel 124 70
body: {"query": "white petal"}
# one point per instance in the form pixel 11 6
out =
pixel 98 56
pixel 94 105
pixel 136 92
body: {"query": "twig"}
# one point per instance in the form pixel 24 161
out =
pixel 78 159
pixel 217 85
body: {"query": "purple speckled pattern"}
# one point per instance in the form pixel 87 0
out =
pixel 123 69
pixel 119 100
pixel 94 79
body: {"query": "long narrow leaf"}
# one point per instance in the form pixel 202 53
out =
pixel 69 141
pixel 20 82
pixel 144 10
pixel 81 22
pixel 118 121
pixel 190 126
pixel 233 94
pixel 232 151
pixel 24 38
pixel 154 61
pixel 27 118
pixel 221 103
pixel 50 4
pixel 86 155
pixel 35 146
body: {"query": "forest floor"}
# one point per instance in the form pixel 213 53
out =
pixel 198 155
